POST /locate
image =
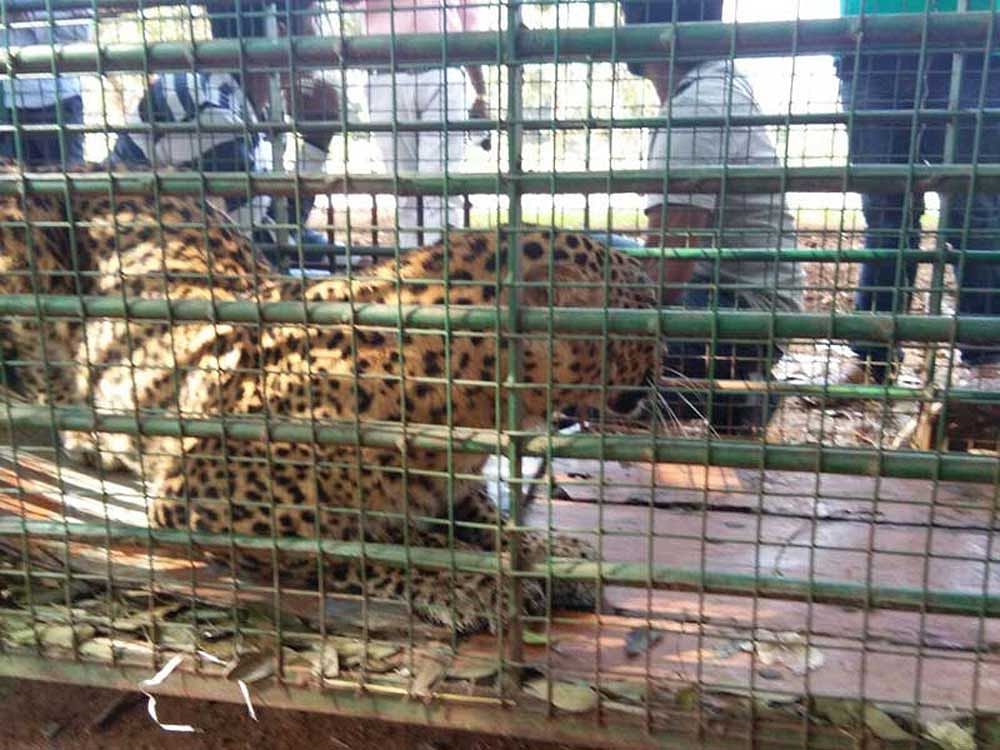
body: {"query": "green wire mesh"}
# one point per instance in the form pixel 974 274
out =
pixel 825 580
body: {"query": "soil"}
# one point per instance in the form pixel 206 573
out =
pixel 46 716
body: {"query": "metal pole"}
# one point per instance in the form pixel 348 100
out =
pixel 513 344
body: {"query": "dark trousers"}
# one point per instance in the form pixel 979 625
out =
pixel 52 148
pixel 736 413
pixel 715 360
pixel 893 219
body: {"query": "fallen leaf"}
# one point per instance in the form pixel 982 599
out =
pixel 251 667
pixel 762 696
pixel 471 669
pixel 884 727
pixel 842 713
pixel 326 663
pixel 851 714
pixel 101 649
pixel 146 619
pixel 21 637
pixel 630 691
pixel 789 648
pixel 352 651
pixel 430 667
pixel 950 736
pixel 640 640
pixel 571 697
pixel 64 636
pixel 687 697
pixel 626 708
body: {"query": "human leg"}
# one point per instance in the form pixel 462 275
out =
pixel 441 99
pixel 391 97
pixel 737 413
pixel 973 221
pixel 892 219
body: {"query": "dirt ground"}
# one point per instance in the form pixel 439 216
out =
pixel 45 716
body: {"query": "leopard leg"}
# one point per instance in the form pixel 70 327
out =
pixel 476 508
pixel 466 601
pixel 566 593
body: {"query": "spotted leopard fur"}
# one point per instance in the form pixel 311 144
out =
pixel 138 248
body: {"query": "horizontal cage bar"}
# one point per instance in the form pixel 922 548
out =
pixel 950 32
pixel 731 324
pixel 708 180
pixel 638 574
pixel 904 464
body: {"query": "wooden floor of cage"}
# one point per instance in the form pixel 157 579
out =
pixel 880 532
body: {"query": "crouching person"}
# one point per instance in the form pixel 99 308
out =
pixel 713 88
pixel 203 101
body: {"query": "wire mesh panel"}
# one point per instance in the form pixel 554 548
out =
pixel 613 373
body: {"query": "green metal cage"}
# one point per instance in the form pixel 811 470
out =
pixel 827 580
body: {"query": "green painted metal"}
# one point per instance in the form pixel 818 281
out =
pixel 528 123
pixel 793 255
pixel 514 347
pixel 636 574
pixel 728 324
pixel 959 31
pixel 708 180
pixel 735 453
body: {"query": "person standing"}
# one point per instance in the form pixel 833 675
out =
pixel 429 94
pixel 875 80
pixel 43 100
pixel 713 88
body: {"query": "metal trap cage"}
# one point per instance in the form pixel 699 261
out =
pixel 822 573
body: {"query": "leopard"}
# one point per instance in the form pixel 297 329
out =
pixel 386 379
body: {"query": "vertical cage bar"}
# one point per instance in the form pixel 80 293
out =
pixel 276 113
pixel 513 344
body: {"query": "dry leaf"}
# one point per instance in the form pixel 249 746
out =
pixel 102 649
pixel 471 669
pixel 687 698
pixel 20 637
pixel 326 663
pixel 430 667
pixel 106 649
pixel 842 713
pixel 630 691
pixel 884 727
pixel 626 708
pixel 571 697
pixel 788 648
pixel 848 714
pixel 763 697
pixel 950 736
pixel 146 619
pixel 251 667
pixel 64 636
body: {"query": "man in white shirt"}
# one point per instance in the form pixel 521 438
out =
pixel 428 94
pixel 732 220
